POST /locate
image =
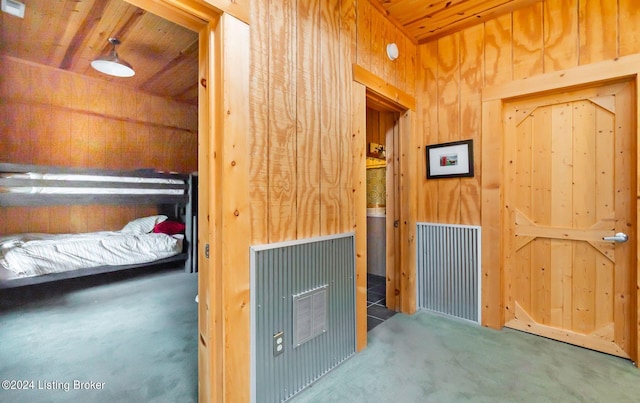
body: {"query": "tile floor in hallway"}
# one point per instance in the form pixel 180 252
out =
pixel 377 311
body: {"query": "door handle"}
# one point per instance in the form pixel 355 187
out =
pixel 620 237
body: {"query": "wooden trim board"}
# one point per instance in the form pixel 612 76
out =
pixel 381 87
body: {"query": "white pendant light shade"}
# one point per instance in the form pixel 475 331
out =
pixel 111 64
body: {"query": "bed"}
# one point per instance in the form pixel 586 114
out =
pixel 166 237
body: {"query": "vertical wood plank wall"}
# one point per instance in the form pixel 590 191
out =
pixel 301 158
pixel 54 117
pixel 452 71
pixel 380 127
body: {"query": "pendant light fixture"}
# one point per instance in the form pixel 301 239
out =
pixel 111 64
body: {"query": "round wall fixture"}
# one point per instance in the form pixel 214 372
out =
pixel 392 51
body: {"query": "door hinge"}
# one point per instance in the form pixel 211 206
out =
pixel 206 251
pixel 396 223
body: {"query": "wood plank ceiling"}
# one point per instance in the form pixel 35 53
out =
pixel 426 20
pixel 69 34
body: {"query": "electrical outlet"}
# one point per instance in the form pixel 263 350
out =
pixel 278 344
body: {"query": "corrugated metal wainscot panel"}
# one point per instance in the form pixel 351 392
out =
pixel 315 280
pixel 448 269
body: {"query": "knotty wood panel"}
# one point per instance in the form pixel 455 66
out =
pixel 232 169
pixel 568 162
pixel 584 208
pixel 210 346
pixel 52 117
pixel 360 125
pixel 541 254
pixel 394 213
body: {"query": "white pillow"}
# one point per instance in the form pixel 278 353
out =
pixel 143 225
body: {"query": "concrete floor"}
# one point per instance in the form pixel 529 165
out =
pixel 133 335
pixel 431 358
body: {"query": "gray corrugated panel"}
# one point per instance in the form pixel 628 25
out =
pixel 280 271
pixel 448 269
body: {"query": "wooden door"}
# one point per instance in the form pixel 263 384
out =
pixel 569 178
pixel 392 143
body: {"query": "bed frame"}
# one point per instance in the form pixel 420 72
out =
pixel 180 205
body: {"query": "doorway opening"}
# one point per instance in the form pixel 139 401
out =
pixel 380 131
pixel 382 134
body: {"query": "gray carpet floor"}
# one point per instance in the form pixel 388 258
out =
pixel 431 358
pixel 132 334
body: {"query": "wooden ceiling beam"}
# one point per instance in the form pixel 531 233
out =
pixel 82 33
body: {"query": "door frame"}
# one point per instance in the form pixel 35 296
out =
pixel 493 99
pixel 223 113
pixel 369 89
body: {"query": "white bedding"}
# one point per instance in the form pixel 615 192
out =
pixel 35 254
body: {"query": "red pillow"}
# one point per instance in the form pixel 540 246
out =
pixel 169 227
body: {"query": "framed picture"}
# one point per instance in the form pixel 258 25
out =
pixel 450 160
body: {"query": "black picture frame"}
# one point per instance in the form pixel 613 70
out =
pixel 450 160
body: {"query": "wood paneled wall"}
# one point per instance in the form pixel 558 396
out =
pixel 53 117
pixel 376 132
pixel 452 71
pixel 302 147
pixel 380 127
pixel 374 32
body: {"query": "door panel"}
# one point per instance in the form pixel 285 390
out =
pixel 569 174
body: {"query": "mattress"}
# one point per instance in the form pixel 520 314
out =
pixel 27 255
